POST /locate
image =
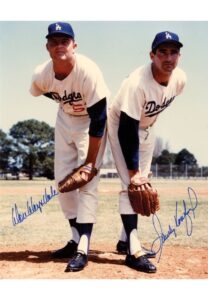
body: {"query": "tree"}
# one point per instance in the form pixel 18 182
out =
pixel 165 158
pixel 48 168
pixel 5 149
pixel 186 162
pixel 204 171
pixel 184 157
pixel 33 143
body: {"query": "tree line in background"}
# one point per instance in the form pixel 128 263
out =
pixel 28 149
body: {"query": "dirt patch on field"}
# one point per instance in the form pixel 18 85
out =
pixel 104 263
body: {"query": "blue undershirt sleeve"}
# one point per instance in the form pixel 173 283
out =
pixel 98 117
pixel 48 95
pixel 128 136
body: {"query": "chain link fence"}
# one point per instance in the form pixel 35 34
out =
pixel 165 171
pixel 179 171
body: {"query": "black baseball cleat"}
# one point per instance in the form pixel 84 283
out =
pixel 66 252
pixel 122 248
pixel 77 263
pixel 140 263
pixel 149 253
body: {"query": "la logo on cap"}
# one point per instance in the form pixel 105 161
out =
pixel 58 27
pixel 168 36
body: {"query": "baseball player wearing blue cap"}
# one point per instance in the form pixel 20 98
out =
pixel 76 83
pixel 147 92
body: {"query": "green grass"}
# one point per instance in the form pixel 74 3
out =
pixel 50 226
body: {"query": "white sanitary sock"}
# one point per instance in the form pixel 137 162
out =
pixel 83 244
pixel 135 245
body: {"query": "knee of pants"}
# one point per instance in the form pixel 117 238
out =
pixel 87 208
pixel 125 207
pixel 69 204
pixel 88 202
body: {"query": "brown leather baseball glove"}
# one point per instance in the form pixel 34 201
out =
pixel 75 179
pixel 143 198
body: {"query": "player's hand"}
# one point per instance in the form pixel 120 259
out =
pixel 135 177
pixel 86 174
pixel 77 178
pixel 143 197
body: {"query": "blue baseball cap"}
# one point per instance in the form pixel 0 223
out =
pixel 166 37
pixel 60 28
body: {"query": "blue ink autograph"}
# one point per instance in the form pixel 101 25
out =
pixel 18 217
pixel 184 218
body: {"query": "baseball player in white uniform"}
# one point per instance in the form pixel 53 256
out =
pixel 77 85
pixel 147 92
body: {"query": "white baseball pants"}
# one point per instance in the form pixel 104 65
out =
pixel 71 146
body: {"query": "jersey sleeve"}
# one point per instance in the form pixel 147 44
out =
pixel 98 117
pixel 35 89
pixel 38 82
pixel 131 98
pixel 182 79
pixel 94 86
pixel 129 140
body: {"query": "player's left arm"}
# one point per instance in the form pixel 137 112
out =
pixel 182 80
pixel 129 141
pixel 96 95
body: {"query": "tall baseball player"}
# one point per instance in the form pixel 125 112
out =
pixel 147 92
pixel 77 84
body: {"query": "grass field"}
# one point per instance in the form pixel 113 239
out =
pixel 50 227
pixel 26 247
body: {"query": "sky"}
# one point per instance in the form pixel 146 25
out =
pixel 118 47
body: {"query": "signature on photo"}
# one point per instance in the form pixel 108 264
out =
pixel 18 217
pixel 185 218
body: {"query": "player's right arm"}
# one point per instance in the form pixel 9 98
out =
pixel 96 95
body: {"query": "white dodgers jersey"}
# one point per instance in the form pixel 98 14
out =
pixel 82 88
pixel 143 99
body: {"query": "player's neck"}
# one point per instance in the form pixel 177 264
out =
pixel 62 68
pixel 160 77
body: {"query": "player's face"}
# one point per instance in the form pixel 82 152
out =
pixel 61 47
pixel 166 58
